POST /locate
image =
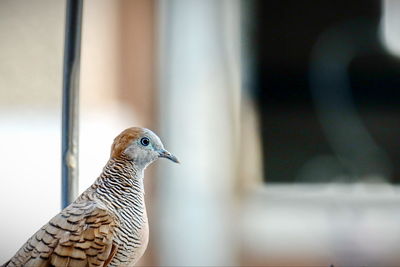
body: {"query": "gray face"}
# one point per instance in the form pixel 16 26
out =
pixel 147 148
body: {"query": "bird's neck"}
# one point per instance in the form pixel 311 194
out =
pixel 120 183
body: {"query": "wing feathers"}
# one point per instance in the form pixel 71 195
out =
pixel 81 235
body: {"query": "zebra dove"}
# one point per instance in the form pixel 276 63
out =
pixel 107 224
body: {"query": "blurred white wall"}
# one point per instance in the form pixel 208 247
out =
pixel 389 28
pixel 199 106
pixel 321 224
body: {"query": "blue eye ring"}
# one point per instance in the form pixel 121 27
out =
pixel 145 141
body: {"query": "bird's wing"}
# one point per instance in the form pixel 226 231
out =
pixel 81 235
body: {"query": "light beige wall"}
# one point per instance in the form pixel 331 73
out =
pixel 31 52
pixel 99 57
pixel 118 58
pixel 137 58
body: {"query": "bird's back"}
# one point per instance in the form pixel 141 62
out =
pixel 80 235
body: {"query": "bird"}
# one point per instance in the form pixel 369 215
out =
pixel 107 224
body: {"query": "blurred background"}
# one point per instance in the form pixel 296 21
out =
pixel 284 114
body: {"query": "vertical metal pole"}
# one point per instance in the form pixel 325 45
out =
pixel 70 102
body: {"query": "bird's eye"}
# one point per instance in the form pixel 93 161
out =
pixel 145 141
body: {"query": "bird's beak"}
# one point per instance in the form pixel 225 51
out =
pixel 168 155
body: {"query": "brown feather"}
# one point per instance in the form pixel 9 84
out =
pixel 83 242
pixel 112 254
pixel 123 140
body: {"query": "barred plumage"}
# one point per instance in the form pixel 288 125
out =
pixel 107 224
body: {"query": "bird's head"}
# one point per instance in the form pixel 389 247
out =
pixel 141 146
